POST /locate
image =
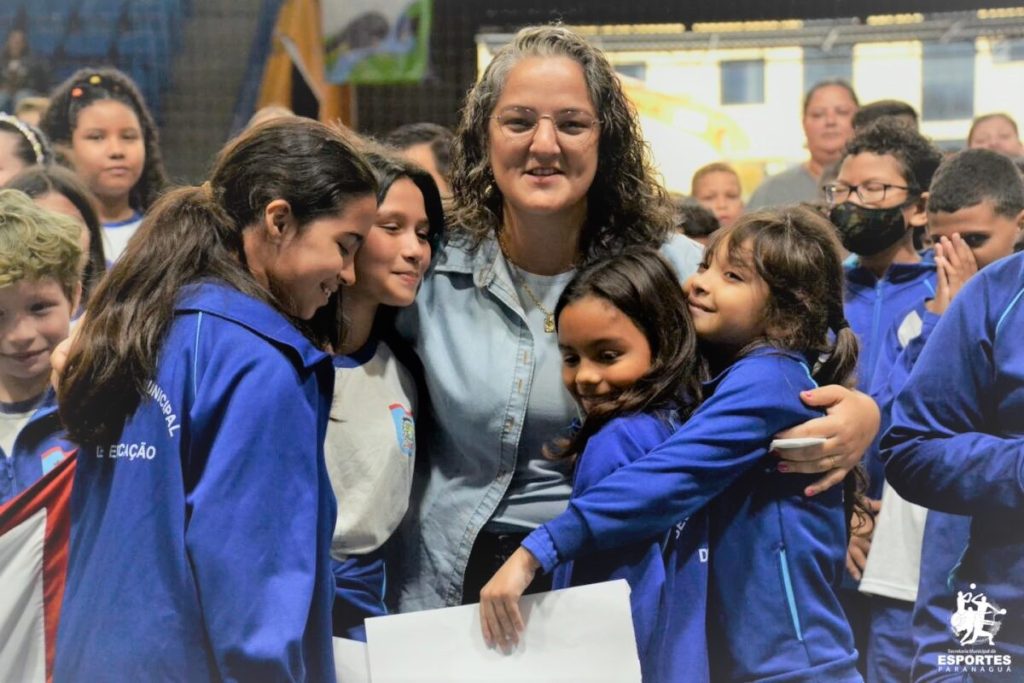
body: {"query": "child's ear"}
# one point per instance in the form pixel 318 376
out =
pixel 918 212
pixel 1019 220
pixel 277 219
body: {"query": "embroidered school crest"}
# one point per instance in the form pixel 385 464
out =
pixel 405 428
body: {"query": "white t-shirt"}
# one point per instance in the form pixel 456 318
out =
pixel 894 562
pixel 116 236
pixel 370 448
pixel 13 418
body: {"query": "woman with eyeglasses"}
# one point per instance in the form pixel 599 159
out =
pixel 550 170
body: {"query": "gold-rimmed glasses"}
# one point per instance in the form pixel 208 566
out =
pixel 574 128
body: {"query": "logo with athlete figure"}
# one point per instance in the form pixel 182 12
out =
pixel 976 617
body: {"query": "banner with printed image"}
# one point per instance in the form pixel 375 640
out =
pixel 376 42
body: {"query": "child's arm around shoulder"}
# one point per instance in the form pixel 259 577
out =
pixel 727 435
pixel 730 433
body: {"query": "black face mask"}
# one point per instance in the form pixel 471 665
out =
pixel 865 231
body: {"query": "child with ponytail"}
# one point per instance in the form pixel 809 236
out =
pixel 199 394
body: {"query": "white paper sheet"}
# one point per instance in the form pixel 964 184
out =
pixel 351 664
pixel 577 634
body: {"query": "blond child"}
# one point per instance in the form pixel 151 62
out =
pixel 40 284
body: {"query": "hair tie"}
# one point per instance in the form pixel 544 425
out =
pixel 93 87
pixel 33 139
pixel 842 324
pixel 207 189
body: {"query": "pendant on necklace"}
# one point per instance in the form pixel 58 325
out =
pixel 549 323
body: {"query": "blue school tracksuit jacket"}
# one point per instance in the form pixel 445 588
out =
pixel 667 575
pixel 200 540
pixel 945 535
pixel 775 555
pixel 956 445
pixel 39 447
pixel 872 306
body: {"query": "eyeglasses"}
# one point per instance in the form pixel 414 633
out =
pixel 574 128
pixel 871 192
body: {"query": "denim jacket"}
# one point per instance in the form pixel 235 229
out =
pixel 469 329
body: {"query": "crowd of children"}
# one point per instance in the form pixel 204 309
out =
pixel 243 391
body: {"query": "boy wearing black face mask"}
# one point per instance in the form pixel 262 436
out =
pixel 876 202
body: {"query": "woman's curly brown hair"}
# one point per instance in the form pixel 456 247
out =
pixel 626 205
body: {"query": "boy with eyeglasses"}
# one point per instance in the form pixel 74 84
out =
pixel 975 216
pixel 876 202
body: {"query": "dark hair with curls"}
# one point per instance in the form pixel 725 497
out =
pixel 973 176
pixel 42 180
pixel 796 253
pixel 881 109
pixel 625 203
pixel 193 234
pixel 33 147
pixel 641 284
pixel 918 158
pixel 86 86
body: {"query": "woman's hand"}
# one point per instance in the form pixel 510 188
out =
pixel 849 427
pixel 500 618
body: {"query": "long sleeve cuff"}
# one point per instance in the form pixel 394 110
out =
pixel 541 546
pixel 561 539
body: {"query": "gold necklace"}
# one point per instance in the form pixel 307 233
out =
pixel 549 316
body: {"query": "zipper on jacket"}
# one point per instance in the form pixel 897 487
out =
pixel 790 597
pixel 876 315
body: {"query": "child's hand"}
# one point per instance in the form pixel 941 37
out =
pixel 59 358
pixel 954 266
pixel 861 532
pixel 849 426
pixel 500 618
pixel 857 555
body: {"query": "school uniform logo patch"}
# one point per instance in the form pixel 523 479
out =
pixel 52 457
pixel 405 428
